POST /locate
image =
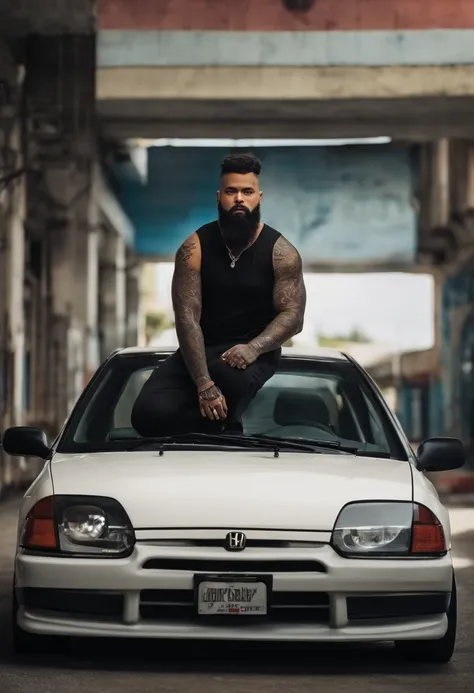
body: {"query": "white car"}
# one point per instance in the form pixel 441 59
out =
pixel 316 524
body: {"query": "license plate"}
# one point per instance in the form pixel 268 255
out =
pixel 232 598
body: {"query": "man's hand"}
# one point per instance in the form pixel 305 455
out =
pixel 212 402
pixel 240 356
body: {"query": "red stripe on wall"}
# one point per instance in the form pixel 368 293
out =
pixel 271 15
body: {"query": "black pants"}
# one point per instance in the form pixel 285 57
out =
pixel 168 403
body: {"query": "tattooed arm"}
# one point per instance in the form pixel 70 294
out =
pixel 289 297
pixel 186 297
pixel 290 302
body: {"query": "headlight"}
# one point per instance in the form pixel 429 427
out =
pixel 95 526
pixel 79 526
pixel 387 529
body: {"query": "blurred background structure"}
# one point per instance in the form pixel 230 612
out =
pixel 114 116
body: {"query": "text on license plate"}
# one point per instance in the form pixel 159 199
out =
pixel 232 598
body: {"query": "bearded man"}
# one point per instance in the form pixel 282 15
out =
pixel 238 294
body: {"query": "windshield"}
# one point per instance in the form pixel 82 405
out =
pixel 307 399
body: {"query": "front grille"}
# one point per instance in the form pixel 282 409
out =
pixel 220 543
pixel 78 602
pixel 396 606
pixel 176 605
pixel 197 565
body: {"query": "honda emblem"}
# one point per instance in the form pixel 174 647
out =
pixel 235 541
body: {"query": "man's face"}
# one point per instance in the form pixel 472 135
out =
pixel 239 207
pixel 239 192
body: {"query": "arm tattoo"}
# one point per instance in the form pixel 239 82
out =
pixel 210 394
pixel 289 298
pixel 186 296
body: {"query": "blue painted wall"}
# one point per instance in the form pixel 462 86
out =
pixel 437 420
pixel 429 398
pixel 404 409
pixel 457 352
pixel 450 398
pixel 336 204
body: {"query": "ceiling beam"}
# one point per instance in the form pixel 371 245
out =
pixel 153 128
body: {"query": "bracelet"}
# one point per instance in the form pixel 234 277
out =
pixel 206 386
pixel 203 392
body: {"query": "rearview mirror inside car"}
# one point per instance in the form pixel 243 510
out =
pixel 25 441
pixel 441 454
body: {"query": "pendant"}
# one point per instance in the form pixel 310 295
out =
pixel 232 264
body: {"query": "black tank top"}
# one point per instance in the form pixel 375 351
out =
pixel 237 303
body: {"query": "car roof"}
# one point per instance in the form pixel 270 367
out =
pixel 316 352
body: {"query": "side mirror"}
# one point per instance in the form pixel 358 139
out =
pixel 25 441
pixel 441 454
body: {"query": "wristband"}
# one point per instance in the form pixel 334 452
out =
pixel 206 386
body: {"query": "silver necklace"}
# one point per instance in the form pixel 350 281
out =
pixel 233 258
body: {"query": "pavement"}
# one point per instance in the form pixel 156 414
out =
pixel 126 667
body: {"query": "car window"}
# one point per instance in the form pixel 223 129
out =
pixel 317 406
pixel 100 422
pixel 131 390
pixel 315 400
pixel 377 432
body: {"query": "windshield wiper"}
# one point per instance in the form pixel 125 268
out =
pixel 354 450
pixel 306 442
pixel 256 440
pixel 219 439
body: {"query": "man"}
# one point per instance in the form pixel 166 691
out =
pixel 238 294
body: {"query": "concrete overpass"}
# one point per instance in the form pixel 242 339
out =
pixel 340 70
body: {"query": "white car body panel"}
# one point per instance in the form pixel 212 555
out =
pixel 296 491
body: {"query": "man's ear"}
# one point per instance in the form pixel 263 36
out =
pixel 261 195
pixel 218 196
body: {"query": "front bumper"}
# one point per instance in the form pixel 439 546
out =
pixel 150 595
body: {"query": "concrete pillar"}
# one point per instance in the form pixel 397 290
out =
pixel 133 303
pixel 121 284
pixel 74 259
pixel 3 314
pixel 92 356
pixel 112 292
pixel 15 263
pixel 61 140
pixel 470 177
pixel 440 183
pixel 12 389
pixel 459 175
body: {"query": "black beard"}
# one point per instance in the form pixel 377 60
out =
pixel 238 229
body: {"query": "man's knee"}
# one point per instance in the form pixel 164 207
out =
pixel 234 382
pixel 152 410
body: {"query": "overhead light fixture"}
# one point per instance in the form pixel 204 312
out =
pixel 234 143
pixel 298 5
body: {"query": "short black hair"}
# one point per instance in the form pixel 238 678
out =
pixel 241 163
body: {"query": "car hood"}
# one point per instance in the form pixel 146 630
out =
pixel 237 489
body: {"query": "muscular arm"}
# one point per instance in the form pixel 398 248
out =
pixel 289 298
pixel 186 296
